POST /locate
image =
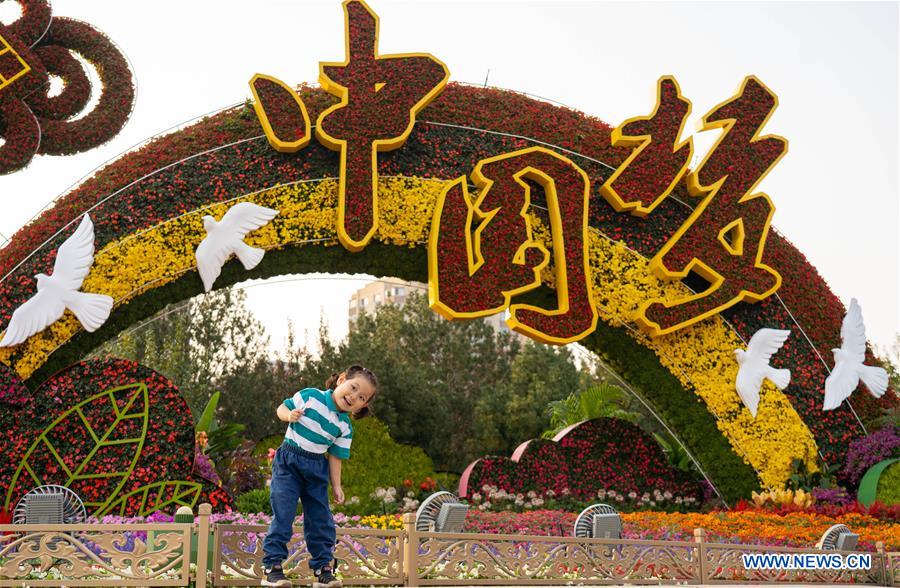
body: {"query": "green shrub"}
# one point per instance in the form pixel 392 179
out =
pixel 266 443
pixel 254 501
pixel 377 461
pixel 889 485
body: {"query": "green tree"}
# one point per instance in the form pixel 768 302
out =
pixel 210 343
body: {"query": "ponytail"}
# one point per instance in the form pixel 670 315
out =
pixel 331 382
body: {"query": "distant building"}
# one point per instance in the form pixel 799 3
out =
pixel 395 291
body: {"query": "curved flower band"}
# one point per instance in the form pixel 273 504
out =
pixel 36 47
pixel 136 264
pixel 147 207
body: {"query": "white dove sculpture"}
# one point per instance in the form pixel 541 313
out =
pixel 226 237
pixel 754 366
pixel 848 363
pixel 57 292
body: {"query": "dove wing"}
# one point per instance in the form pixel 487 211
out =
pixel 839 385
pixel 764 343
pixel 853 333
pixel 75 256
pixel 245 217
pixel 39 312
pixel 211 256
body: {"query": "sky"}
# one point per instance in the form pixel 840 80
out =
pixel 834 67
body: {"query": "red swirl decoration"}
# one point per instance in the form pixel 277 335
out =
pixel 37 46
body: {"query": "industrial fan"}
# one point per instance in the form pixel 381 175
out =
pixel 49 505
pixel 441 512
pixel 838 537
pixel 598 521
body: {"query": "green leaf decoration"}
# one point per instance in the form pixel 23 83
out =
pixel 868 486
pixel 207 419
pixel 156 496
pixel 116 420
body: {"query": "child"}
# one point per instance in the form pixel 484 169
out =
pixel 318 424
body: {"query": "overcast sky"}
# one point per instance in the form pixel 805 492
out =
pixel 833 65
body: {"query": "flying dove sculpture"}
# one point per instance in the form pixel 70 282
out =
pixel 848 363
pixel 59 291
pixel 226 238
pixel 754 366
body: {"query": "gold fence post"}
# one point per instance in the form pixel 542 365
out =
pixel 410 550
pixel 203 544
pixel 700 540
pixel 883 562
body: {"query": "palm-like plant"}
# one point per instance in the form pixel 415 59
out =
pixel 603 400
pixel 675 452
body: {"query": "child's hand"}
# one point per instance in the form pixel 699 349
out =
pixel 338 495
pixel 295 415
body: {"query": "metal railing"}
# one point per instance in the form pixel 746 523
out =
pixel 201 554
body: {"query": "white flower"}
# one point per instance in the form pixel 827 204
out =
pixel 678 500
pixel 550 493
pixel 601 493
pixel 354 500
pixel 531 494
pixel 632 495
pixel 667 495
pixel 538 501
pixel 476 497
pixel 379 492
pixel 565 491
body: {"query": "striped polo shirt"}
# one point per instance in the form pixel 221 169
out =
pixel 322 427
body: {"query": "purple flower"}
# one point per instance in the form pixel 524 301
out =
pixel 869 450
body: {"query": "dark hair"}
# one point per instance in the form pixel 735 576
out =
pixel 350 373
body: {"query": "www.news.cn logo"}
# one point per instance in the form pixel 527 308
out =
pixel 807 561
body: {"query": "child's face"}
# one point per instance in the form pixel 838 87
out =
pixel 353 394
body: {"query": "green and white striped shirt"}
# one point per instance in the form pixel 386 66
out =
pixel 322 427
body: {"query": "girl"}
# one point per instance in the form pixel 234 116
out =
pixel 319 425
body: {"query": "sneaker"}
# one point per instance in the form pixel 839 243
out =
pixel 275 577
pixel 325 579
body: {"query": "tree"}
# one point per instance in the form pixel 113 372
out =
pixel 212 342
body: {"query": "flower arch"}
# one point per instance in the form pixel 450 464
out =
pixel 147 208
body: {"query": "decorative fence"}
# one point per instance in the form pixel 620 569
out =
pixel 173 554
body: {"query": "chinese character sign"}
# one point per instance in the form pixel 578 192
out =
pixel 380 96
pixel 729 225
pixel 482 251
pixel 658 161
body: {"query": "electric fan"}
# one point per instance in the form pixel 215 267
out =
pixel 49 505
pixel 838 537
pixel 598 521
pixel 441 512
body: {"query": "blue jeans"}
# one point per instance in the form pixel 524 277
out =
pixel 300 474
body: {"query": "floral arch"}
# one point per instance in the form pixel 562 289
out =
pixel 147 208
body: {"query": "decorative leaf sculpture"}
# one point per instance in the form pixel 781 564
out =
pixel 155 497
pixel 116 417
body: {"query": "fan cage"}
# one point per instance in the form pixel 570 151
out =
pixel 584 524
pixel 430 510
pixel 72 511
